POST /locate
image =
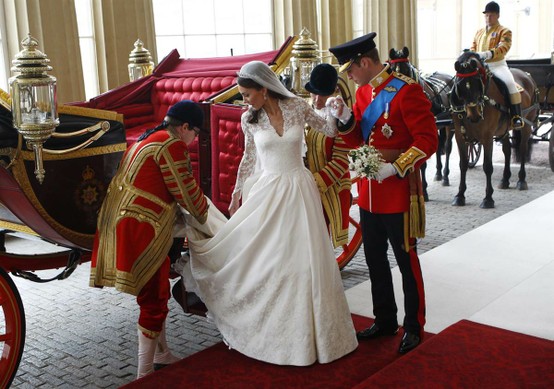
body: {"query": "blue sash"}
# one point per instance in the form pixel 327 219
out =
pixel 376 108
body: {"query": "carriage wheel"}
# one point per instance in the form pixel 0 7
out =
pixel 351 248
pixel 551 148
pixel 473 154
pixel 12 329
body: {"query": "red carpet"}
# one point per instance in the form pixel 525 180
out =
pixel 464 355
pixel 219 367
pixel 472 355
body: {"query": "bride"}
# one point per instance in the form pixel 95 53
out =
pixel 268 275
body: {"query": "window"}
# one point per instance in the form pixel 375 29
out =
pixel 446 27
pixel 358 18
pixel 4 61
pixel 213 28
pixel 83 9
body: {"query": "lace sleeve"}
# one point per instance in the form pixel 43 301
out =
pixel 248 161
pixel 327 126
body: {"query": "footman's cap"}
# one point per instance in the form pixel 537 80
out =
pixel 492 7
pixel 323 80
pixel 349 51
pixel 187 111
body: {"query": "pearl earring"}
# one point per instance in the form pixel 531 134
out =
pixel 265 96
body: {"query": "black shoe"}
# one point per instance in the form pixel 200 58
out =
pixel 189 301
pixel 375 331
pixel 517 120
pixel 409 342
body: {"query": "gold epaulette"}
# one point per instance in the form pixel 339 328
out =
pixel 403 77
pixel 406 161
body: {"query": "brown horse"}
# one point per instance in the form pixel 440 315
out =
pixel 437 87
pixel 480 114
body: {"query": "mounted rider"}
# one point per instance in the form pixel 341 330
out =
pixel 492 43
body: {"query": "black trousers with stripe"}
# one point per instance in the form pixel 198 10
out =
pixel 377 231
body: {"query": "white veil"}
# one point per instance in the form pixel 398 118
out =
pixel 262 74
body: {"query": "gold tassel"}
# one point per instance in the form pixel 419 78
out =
pixel 417 216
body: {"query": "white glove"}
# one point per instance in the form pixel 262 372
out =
pixel 338 109
pixel 385 171
pixel 484 55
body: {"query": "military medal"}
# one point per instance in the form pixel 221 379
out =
pixel 386 115
pixel 386 130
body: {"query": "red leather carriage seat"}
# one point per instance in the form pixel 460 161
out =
pixel 227 149
pixel 164 93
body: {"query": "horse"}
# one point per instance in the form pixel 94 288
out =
pixel 437 87
pixel 480 114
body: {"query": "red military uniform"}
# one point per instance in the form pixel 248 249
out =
pixel 412 125
pixel 136 221
pixel 392 210
pixel 328 161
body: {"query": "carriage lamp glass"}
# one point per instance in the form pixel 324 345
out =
pixel 140 62
pixel 34 103
pixel 304 59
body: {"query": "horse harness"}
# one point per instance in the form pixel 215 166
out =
pixel 485 77
pixel 436 85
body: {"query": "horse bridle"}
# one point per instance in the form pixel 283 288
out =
pixel 414 71
pixel 460 78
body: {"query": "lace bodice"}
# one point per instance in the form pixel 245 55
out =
pixel 272 153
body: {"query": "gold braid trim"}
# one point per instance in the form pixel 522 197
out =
pixel 148 333
pixel 330 198
pixel 407 160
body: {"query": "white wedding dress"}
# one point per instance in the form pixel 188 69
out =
pixel 268 275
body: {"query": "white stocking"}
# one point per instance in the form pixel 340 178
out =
pixel 146 350
pixel 163 355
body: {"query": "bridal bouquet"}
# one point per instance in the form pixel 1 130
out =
pixel 365 161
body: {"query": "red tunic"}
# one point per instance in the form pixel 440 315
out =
pixel 136 220
pixel 412 124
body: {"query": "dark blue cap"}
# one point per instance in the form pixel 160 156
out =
pixel 349 51
pixel 187 111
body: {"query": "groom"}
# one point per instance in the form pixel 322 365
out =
pixel 392 114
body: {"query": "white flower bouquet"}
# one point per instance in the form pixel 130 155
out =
pixel 365 161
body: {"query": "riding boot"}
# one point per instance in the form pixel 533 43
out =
pixel 146 351
pixel 163 355
pixel 517 121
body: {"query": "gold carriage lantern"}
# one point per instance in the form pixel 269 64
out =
pixel 140 62
pixel 304 59
pixel 34 103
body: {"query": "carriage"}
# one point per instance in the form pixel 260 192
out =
pixel 542 71
pixel 83 154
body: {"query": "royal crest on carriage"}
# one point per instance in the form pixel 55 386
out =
pixel 90 192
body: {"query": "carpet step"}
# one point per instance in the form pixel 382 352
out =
pixel 471 355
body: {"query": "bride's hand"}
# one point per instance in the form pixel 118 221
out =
pixel 235 203
pixel 339 109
